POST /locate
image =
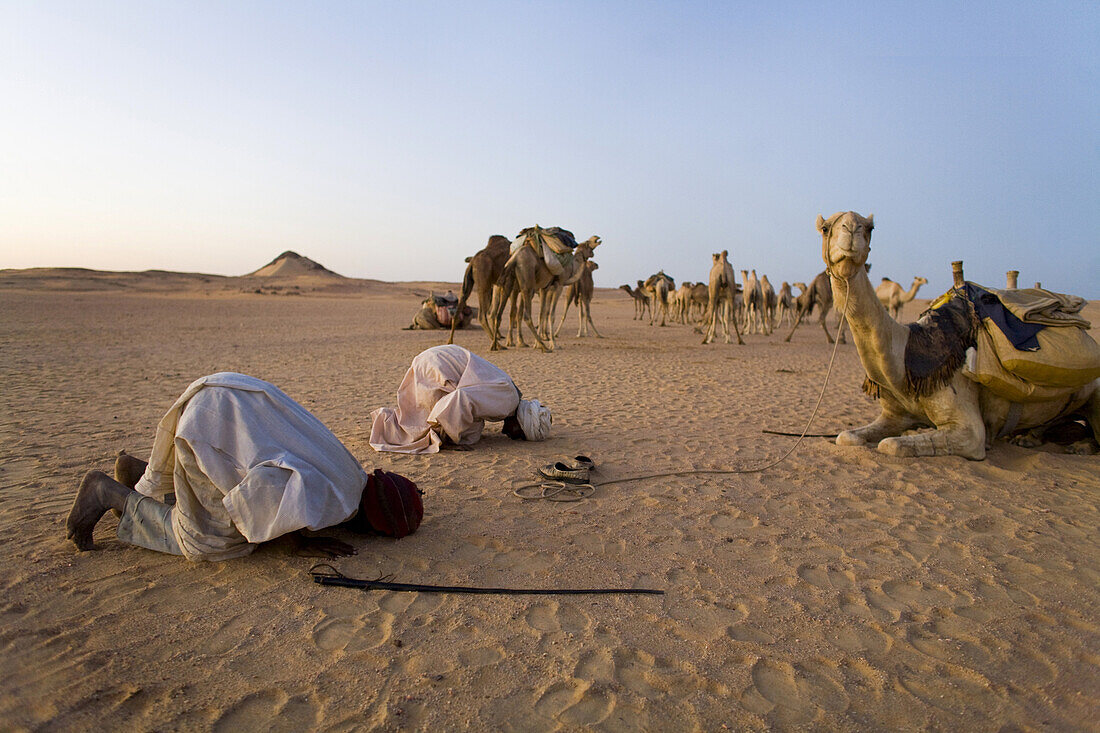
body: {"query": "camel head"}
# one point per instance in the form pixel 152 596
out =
pixel 593 242
pixel 920 281
pixel 845 242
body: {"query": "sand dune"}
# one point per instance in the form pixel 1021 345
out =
pixel 842 589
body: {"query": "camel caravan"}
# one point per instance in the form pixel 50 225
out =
pixel 510 273
pixel 979 364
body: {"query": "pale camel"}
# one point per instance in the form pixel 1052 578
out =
pixel 641 302
pixel 819 294
pixel 681 303
pixel 785 304
pixel 752 304
pixel 482 273
pixel 580 293
pixel 769 301
pixel 525 274
pixel 893 298
pixel 915 370
pixel 658 287
pixel 721 294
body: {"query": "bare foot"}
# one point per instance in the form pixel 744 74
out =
pixel 90 504
pixel 129 470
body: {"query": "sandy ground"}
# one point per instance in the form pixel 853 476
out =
pixel 842 589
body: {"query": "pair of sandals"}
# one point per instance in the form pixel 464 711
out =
pixel 562 481
pixel 570 471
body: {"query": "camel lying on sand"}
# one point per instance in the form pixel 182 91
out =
pixel 441 311
pixel 916 371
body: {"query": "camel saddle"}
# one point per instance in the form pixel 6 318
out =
pixel 553 244
pixel 1033 344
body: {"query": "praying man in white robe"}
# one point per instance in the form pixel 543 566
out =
pixel 444 400
pixel 235 462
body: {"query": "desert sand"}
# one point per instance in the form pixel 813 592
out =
pixel 841 589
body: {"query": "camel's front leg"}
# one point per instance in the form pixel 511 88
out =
pixel 960 430
pixel 885 425
pixel 589 322
pixel 564 313
pixel 547 308
pixel 525 309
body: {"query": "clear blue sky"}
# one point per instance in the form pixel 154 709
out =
pixel 389 140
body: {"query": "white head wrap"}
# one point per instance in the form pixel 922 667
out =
pixel 535 419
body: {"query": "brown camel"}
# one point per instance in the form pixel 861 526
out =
pixel 785 304
pixel 641 302
pixel 893 298
pixel 721 293
pixel 482 273
pixel 580 293
pixel 697 303
pixel 819 294
pixel 917 370
pixel 769 301
pixel 526 273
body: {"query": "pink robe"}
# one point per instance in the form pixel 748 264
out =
pixel 447 390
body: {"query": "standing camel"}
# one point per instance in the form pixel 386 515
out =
pixel 752 303
pixel 819 294
pixel 526 273
pixel 641 302
pixel 721 293
pixel 769 300
pixel 893 297
pixel 658 287
pixel 580 293
pixel 481 274
pixel 785 305
pixel 697 303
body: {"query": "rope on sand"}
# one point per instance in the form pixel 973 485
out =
pixel 520 490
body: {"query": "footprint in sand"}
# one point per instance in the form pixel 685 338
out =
pixel 827 577
pixel 353 634
pixel 742 632
pixel 733 520
pixel 794 695
pixel 595 665
pixel 270 710
pixel 860 638
pixel 229 634
pixel 558 697
pixel 595 704
pixel 954 689
pixel 549 617
pixel 481 657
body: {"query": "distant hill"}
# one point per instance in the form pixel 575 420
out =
pixel 292 264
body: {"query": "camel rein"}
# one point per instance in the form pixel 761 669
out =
pixel 562 491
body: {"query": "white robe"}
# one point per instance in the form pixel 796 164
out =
pixel 447 390
pixel 247 464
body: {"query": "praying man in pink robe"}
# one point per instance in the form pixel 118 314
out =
pixel 445 399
